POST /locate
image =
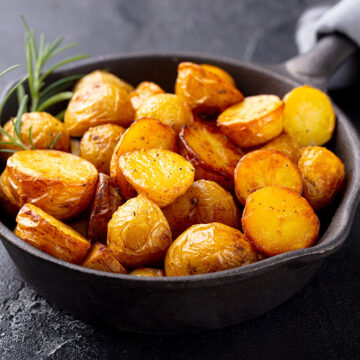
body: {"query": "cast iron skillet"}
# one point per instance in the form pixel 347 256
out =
pixel 195 303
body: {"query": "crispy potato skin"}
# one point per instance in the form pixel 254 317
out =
pixel 101 258
pixel 98 144
pixel 60 183
pixel 106 201
pixel 224 75
pixel 254 121
pixel 7 200
pixel 148 272
pixel 208 248
pixel 167 108
pixel 277 220
pixel 308 116
pixel 323 174
pixel 138 233
pixel 142 92
pixel 204 202
pixel 50 235
pixel 158 174
pixel 205 90
pixel 261 168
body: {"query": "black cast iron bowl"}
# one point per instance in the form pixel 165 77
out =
pixel 195 303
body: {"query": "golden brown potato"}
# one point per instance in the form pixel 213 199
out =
pixel 98 144
pixel 75 146
pixel 208 248
pixel 106 201
pixel 211 152
pixel 148 272
pixel 204 90
pixel 308 116
pixel 101 258
pixel 138 233
pixel 50 235
pixel 159 174
pixel 203 203
pixel 254 121
pixel 168 108
pixel 277 220
pixel 224 75
pixel 261 168
pixel 142 92
pixel 61 184
pixel 7 200
pixel 323 174
pixel 142 134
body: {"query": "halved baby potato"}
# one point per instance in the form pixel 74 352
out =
pixel 208 248
pixel 211 152
pixel 308 116
pixel 148 272
pixel 277 220
pixel 254 121
pixel 158 174
pixel 261 168
pixel 8 202
pixel 50 235
pixel 224 75
pixel 142 92
pixel 138 233
pixel 323 174
pixel 60 183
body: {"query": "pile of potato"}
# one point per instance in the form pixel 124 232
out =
pixel 164 184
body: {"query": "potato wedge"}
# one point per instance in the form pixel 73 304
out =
pixel 148 272
pixel 277 220
pixel 142 92
pixel 323 174
pixel 308 116
pixel 254 121
pixel 101 258
pixel 211 152
pixel 106 201
pixel 224 75
pixel 261 168
pixel 208 248
pixel 60 183
pixel 50 235
pixel 98 144
pixel 203 203
pixel 138 233
pixel 204 90
pixel 158 174
pixel 168 108
pixel 7 200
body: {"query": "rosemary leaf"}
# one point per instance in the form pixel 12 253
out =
pixel 31 139
pixel 9 69
pixel 8 151
pixel 55 140
pixel 60 115
pixel 19 114
pixel 66 95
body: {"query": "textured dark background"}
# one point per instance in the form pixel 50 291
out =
pixel 321 322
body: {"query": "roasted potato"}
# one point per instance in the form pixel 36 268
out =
pixel 208 248
pixel 277 220
pixel 205 90
pixel 101 258
pixel 168 108
pixel 323 174
pixel 138 233
pixel 308 116
pixel 60 183
pixel 254 121
pixel 50 235
pixel 203 203
pixel 148 272
pixel 75 146
pixel 159 174
pixel 211 152
pixel 106 201
pixel 8 202
pixel 98 144
pixel 261 168
pixel 142 92
pixel 224 75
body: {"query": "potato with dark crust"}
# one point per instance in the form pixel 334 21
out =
pixel 60 183
pixel 98 144
pixel 261 168
pixel 142 92
pixel 211 152
pixel 148 272
pixel 138 233
pixel 50 235
pixel 323 174
pixel 101 258
pixel 203 203
pixel 224 75
pixel 8 202
pixel 106 201
pixel 207 248
pixel 277 220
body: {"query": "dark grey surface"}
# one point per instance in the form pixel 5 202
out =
pixel 322 321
